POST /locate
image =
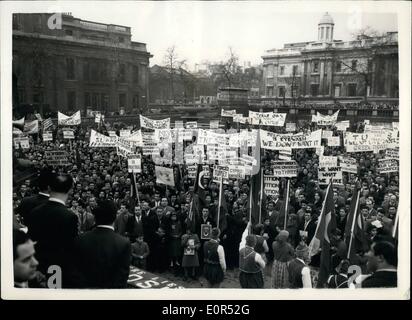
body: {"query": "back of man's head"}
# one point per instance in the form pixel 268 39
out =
pixel 43 180
pixel 387 250
pixel 61 183
pixel 19 238
pixel 105 212
pixel 251 240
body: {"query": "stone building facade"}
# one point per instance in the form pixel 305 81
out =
pixel 70 64
pixel 333 69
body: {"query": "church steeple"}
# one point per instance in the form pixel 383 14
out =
pixel 325 28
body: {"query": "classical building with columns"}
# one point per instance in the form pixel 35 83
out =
pixel 63 63
pixel 329 69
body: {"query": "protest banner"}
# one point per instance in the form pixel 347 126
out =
pixel 68 134
pixel 325 120
pixel 191 125
pixel 187 134
pixel 38 117
pixel 267 118
pixel 47 124
pixel 57 158
pixel 21 142
pixel 395 126
pixel 220 172
pixel 342 125
pixel 388 165
pixel 124 133
pixel 392 153
pixel 326 134
pixel 285 154
pixel 98 117
pixel 112 133
pixel 165 176
pixel 205 231
pixel 273 141
pixel 134 163
pixel 99 140
pixel 47 136
pixel 320 150
pixel 31 127
pixel 271 185
pixel 348 164
pixel 141 279
pixel 154 124
pixel 327 173
pixel 191 171
pixel 236 172
pixel 150 144
pixel 334 142
pixel 228 113
pixel 328 161
pixel 178 158
pixel 290 127
pixel 179 124
pixel 366 121
pixel 214 124
pixel 284 168
pixel 364 142
pixel 124 147
pixel 135 138
pixel 74 120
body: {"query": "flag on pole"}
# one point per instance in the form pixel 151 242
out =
pixel 256 197
pixel 282 218
pixel 198 199
pixel 354 231
pixel 47 123
pixel 321 242
pixel 256 155
pixel 19 123
pixel 220 219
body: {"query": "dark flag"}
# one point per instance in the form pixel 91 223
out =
pixel 256 197
pixel 354 234
pixel 323 235
pixel 282 218
pixel 198 200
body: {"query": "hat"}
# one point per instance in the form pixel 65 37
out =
pixel 283 235
pixel 301 249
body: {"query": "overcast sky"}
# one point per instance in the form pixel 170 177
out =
pixel 204 30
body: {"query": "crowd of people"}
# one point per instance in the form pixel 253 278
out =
pixel 87 218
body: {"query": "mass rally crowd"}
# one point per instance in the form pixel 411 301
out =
pixel 93 217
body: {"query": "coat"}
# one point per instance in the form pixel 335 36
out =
pixel 28 204
pixel 102 259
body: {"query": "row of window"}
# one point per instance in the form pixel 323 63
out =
pixel 315 67
pixel 351 90
pixel 98 71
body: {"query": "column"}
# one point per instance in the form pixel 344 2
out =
pixel 321 73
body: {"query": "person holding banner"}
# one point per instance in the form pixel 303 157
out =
pixel 251 263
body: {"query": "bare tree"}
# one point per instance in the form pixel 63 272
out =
pixel 173 66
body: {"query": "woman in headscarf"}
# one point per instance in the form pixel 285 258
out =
pixel 282 253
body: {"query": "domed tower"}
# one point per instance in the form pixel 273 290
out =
pixel 325 28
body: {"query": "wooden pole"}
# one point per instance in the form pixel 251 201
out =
pixel 286 206
pixel 355 216
pixel 220 201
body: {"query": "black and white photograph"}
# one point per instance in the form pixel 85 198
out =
pixel 205 147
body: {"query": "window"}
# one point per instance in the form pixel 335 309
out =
pixel 105 101
pixel 121 39
pixel 354 64
pixel 94 71
pixel 352 89
pixel 337 90
pixel 282 70
pixel 69 32
pixel 295 70
pixel 86 70
pixel 103 71
pixel 136 101
pixel 282 91
pixel 95 100
pixel 269 91
pixel 71 100
pixel 69 68
pixel 314 89
pixel 122 73
pixel 135 74
pixel 87 101
pixel 338 66
pixel 315 66
pixel 122 100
